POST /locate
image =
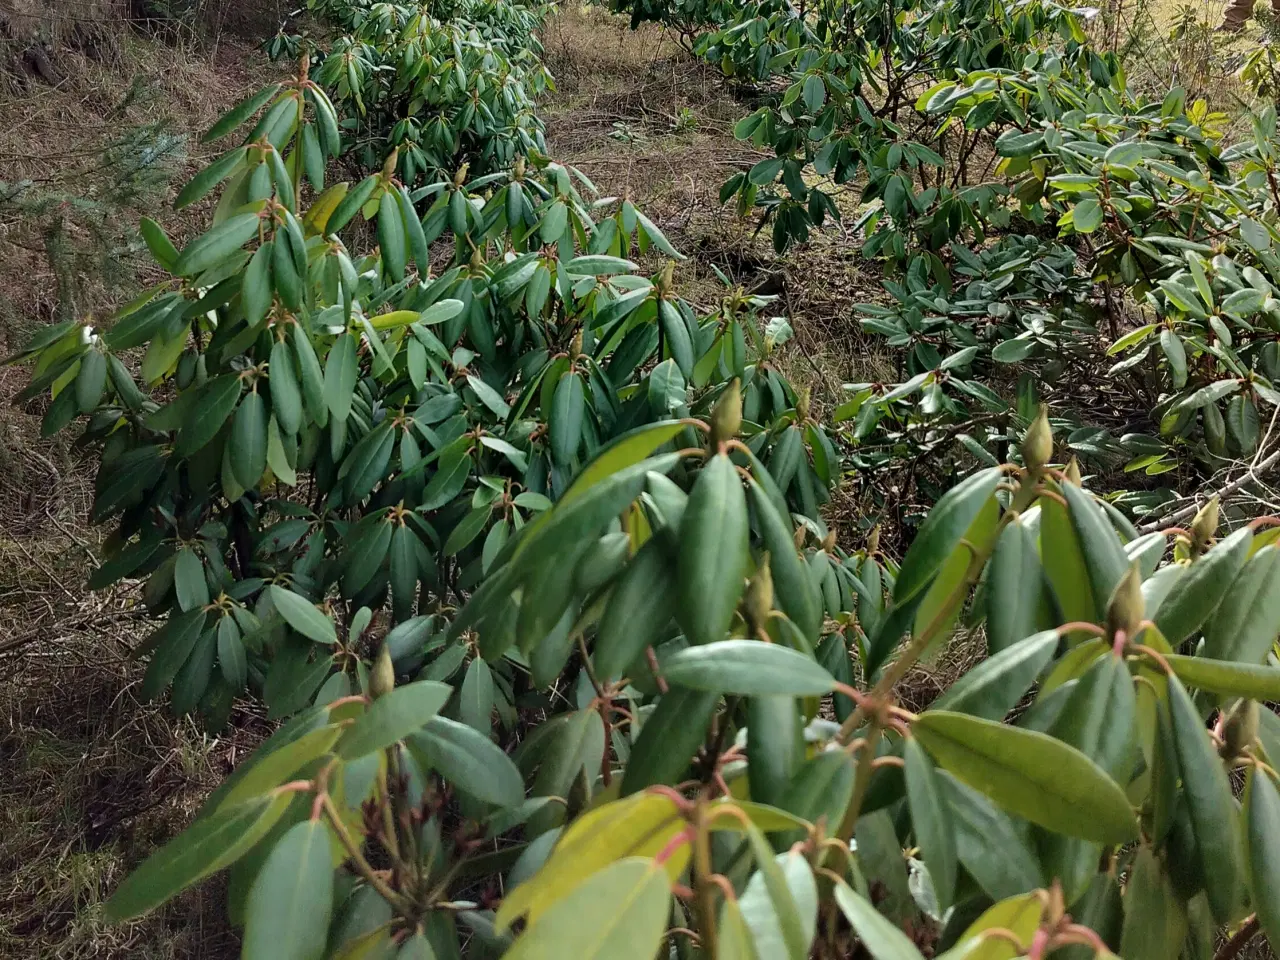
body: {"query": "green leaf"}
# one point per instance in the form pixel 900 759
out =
pixel 231 655
pixel 932 823
pixel 1250 680
pixel 747 667
pixel 879 936
pixel 1209 803
pixel 210 177
pixel 1062 557
pixel 287 913
pixel 188 580
pixel 204 848
pixel 1202 588
pixel 303 615
pixel 1086 216
pixel 641 605
pixel 1262 816
pixel 993 846
pixel 794 590
pixel 273 767
pixel 714 554
pixel 247 446
pixel 488 396
pixel 1247 621
pixel 780 903
pixel 394 716
pixel 241 112
pixel 1103 552
pixel 215 246
pixel 1015 587
pixel 341 371
pixel 626 451
pixel 391 236
pixel 215 402
pixel 994 687
pixel 1030 774
pixel 565 419
pixel 468 760
pixel 669 738
pixel 286 395
pixel 620 914
pixel 941 532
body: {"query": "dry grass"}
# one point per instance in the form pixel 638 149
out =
pixel 94 780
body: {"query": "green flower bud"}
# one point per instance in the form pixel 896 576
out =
pixel 1037 444
pixel 1126 608
pixel 382 678
pixel 1204 526
pixel 726 416
pixel 758 601
pixel 1239 728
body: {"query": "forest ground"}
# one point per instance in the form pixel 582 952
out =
pixel 94 779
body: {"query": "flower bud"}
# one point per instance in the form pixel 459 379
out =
pixel 758 601
pixel 873 541
pixel 1126 607
pixel 575 348
pixel 1072 473
pixel 666 279
pixel 802 404
pixel 1037 444
pixel 518 169
pixel 1204 526
pixel 1239 728
pixel 726 416
pixel 389 168
pixel 460 177
pixel 382 678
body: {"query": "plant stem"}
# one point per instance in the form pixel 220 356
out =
pixel 362 865
pixel 706 886
pixel 862 780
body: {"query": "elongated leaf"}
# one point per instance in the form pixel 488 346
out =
pixel 340 375
pixel 1207 795
pixel 640 606
pixel 879 936
pixel 1103 552
pixel 669 738
pixel 603 835
pixel 994 687
pixel 620 915
pixel 1262 815
pixel 1030 774
pixel 216 401
pixel 215 246
pixel 1202 588
pixel 1250 680
pixel 713 557
pixel 993 846
pixel 1247 621
pixel 393 716
pixel 287 913
pixel 748 667
pixel 941 532
pixel 1015 587
pixel 780 903
pixel 932 822
pixel 204 848
pixel 469 760
pixel 303 615
pixel 628 450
